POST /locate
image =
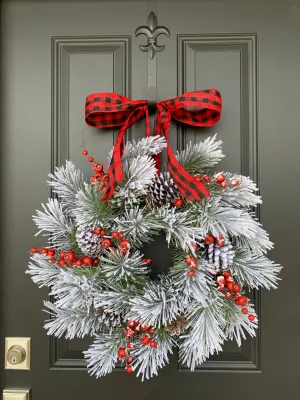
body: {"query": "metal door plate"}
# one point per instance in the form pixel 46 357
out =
pixel 15 341
pixel 15 394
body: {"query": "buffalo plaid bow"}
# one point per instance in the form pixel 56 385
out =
pixel 106 110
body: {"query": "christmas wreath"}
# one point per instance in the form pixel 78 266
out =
pixel 101 283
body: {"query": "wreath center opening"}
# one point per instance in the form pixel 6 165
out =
pixel 160 255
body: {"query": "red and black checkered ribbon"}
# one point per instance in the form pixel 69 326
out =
pixel 107 110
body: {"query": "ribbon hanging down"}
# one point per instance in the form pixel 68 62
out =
pixel 107 110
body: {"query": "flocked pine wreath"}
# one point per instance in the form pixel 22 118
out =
pixel 101 283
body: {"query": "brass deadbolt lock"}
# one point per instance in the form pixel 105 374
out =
pixel 16 354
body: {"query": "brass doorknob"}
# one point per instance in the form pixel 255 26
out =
pixel 16 354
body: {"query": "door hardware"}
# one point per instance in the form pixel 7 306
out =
pixel 17 353
pixel 15 394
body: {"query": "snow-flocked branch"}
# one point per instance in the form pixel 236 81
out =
pixel 201 156
pixel 55 224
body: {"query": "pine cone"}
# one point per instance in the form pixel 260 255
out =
pixel 219 256
pixel 109 319
pixel 88 241
pixel 176 327
pixel 163 189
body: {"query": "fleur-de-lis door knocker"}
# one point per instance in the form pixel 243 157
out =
pixel 152 30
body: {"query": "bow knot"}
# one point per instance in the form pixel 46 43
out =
pixel 106 110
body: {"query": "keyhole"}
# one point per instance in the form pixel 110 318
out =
pixel 14 360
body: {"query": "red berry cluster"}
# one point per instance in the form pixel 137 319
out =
pixel 231 288
pixel 192 263
pixel 205 178
pixel 220 179
pixel 66 258
pixel 146 260
pixel 219 241
pixel 124 244
pixel 134 327
pixel 99 176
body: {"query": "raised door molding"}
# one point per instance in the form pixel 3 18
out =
pixel 241 52
pixel 104 62
pixel 117 47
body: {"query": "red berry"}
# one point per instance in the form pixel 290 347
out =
pixel 145 339
pixel 251 317
pixel 52 260
pixel 220 243
pixel 244 311
pixel 136 323
pixel 144 328
pixel 69 256
pixel 95 261
pixel 102 232
pixel 224 184
pixel 221 280
pixel 209 239
pixel 33 250
pixel 98 167
pixel 178 202
pixel 220 178
pixel 62 255
pixel 236 296
pixel 230 286
pixel 121 235
pixel 227 295
pixel 194 264
pixel 51 252
pixel 196 247
pixel 148 261
pixel 122 352
pixel 243 301
pixel 198 178
pixel 236 287
pixel 91 159
pixel 191 272
pixel 235 182
pixel 130 324
pixel 137 328
pixel 97 231
pixel 129 332
pixel 153 344
pixel 104 177
pixel 129 369
pixel 221 288
pixel 237 302
pixel 115 235
pixel 206 178
pixel 151 331
pixel 125 245
pixel 84 152
pixel 44 251
pixel 87 260
pixel 129 360
pixel 226 274
pixel 189 260
pixel 220 236
pixel 78 263
pixel 130 345
pixel 62 263
pixel 106 243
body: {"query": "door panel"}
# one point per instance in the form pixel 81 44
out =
pixel 53 55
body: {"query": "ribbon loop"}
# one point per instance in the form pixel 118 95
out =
pixel 106 110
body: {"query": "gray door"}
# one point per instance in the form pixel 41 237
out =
pixel 53 55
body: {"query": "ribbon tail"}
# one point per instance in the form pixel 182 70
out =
pixel 115 172
pixel 189 187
